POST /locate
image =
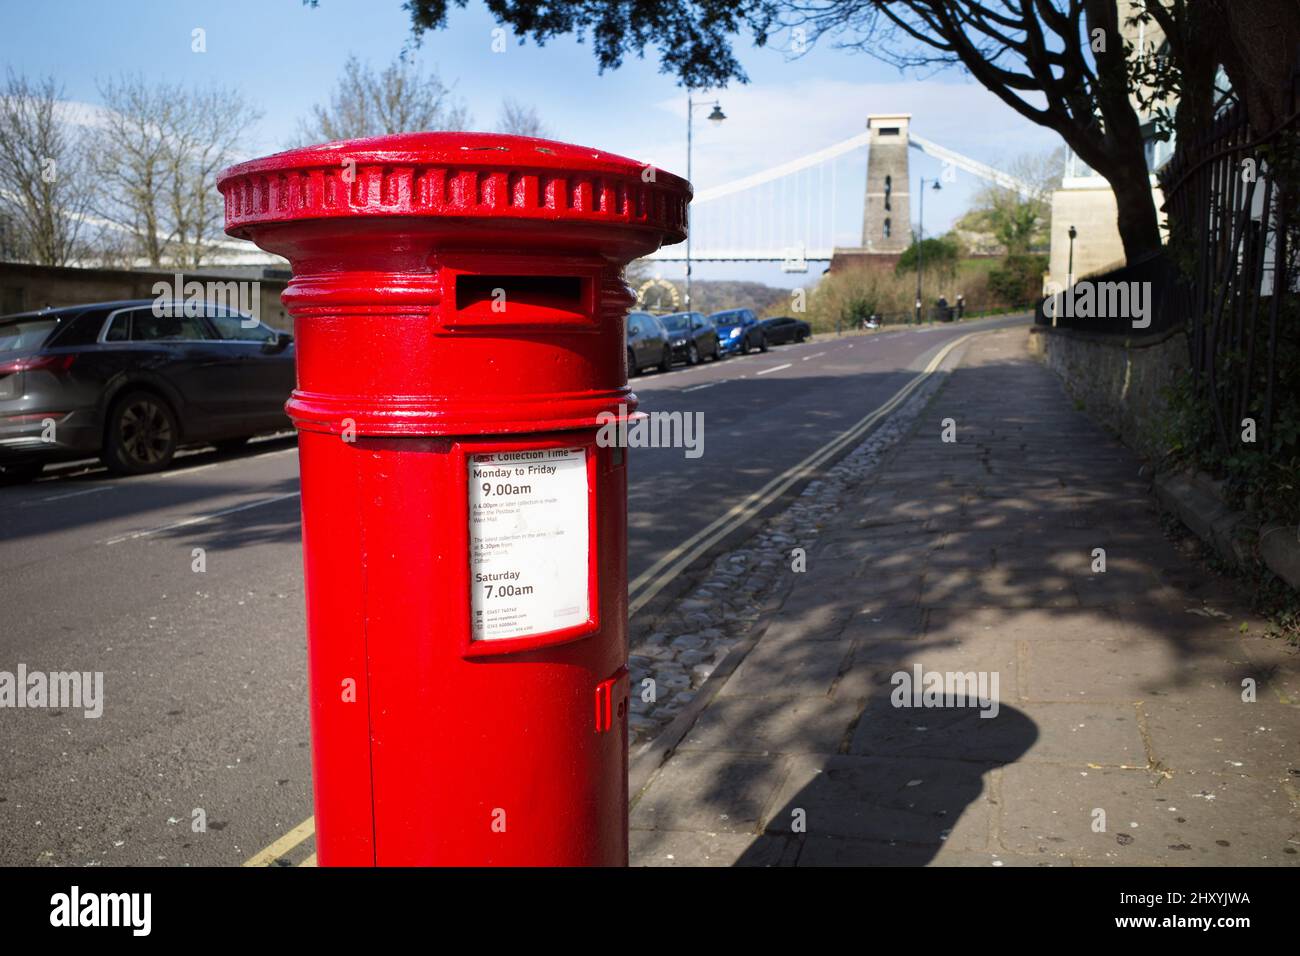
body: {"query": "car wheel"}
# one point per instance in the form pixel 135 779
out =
pixel 20 474
pixel 666 365
pixel 762 343
pixel 232 444
pixel 717 352
pixel 632 370
pixel 141 436
pixel 692 354
pixel 800 338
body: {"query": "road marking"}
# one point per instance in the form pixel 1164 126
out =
pixel 660 376
pixel 163 476
pixel 651 581
pixel 69 494
pixel 199 519
pixel 696 388
pixel 813 356
pixel 774 369
pixel 283 845
pixel 655 578
pixel 133 480
pixel 310 861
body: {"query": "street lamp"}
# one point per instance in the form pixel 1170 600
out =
pixel 1069 269
pixel 716 117
pixel 920 239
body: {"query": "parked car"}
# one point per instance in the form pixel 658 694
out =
pixel 739 331
pixel 647 344
pixel 692 337
pixel 784 329
pixel 121 381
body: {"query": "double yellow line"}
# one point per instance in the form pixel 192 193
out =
pixel 659 575
pixel 655 578
pixel 284 845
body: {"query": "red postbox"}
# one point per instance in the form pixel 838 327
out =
pixel 458 304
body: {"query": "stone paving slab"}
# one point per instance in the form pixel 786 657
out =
pixel 690 848
pixel 880 623
pixel 1141 718
pixel 1116 670
pixel 840 851
pixel 775 725
pixel 1200 819
pixel 790 668
pixel 1094 733
pixel 709 792
pixel 1196 734
pixel 914 800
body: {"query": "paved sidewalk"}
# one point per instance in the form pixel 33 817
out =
pixel 1120 736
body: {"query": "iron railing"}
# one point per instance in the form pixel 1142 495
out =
pixel 1231 199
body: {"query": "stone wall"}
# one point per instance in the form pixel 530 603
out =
pixel 1120 380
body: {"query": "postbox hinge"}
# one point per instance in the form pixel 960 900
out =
pixel 611 701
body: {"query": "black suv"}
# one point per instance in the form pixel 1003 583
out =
pixel 132 381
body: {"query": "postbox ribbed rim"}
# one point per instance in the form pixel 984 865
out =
pixel 454 174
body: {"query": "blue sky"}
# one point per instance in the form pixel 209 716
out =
pixel 285 57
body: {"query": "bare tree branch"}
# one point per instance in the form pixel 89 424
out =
pixel 399 99
pixel 45 190
pixel 520 119
pixel 157 156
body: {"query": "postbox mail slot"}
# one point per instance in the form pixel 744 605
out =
pixel 521 300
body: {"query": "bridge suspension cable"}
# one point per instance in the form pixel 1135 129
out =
pixel 787 214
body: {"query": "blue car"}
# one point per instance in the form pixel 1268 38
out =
pixel 739 331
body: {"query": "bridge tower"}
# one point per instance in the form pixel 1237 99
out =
pixel 886 218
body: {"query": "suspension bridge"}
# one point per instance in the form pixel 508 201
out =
pixel 804 210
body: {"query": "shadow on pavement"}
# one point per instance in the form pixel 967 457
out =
pixel 1118 689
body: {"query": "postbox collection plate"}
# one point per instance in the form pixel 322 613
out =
pixel 528 542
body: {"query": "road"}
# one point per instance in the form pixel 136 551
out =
pixel 205 699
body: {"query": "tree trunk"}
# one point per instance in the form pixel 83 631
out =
pixel 1259 53
pixel 1123 164
pixel 1139 228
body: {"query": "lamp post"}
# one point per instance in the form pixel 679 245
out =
pixel 920 219
pixel 716 117
pixel 1069 269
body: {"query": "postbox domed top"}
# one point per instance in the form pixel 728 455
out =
pixel 455 175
